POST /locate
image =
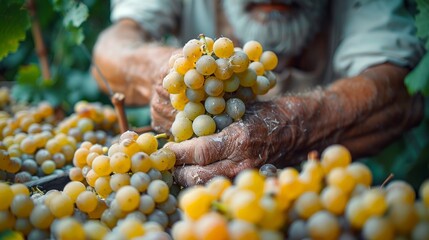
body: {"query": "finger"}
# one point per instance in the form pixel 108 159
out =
pixel 162 93
pixel 203 150
pixel 193 174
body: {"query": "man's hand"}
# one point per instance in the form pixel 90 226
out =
pixel 260 137
pixel 161 110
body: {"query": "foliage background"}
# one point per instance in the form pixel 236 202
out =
pixel 407 158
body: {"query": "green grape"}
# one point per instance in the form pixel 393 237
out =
pixel 195 95
pixel 21 206
pixel 203 125
pixel 378 228
pixel 269 60
pixel 182 129
pixel 159 217
pixel 308 204
pixel 222 121
pixel 169 206
pixel 214 105
pixel 323 225
pixel 271 77
pixel 158 190
pixel 399 191
pixel 239 61
pixel 261 86
pixel 109 218
pixel 23 226
pixel 235 108
pixel 298 230
pixel 174 82
pixel 48 167
pixel 140 162
pixel 213 86
pixel 247 77
pixel 223 71
pixel 253 49
pixel 239 229
pixel 223 47
pixel 193 110
pixel 231 84
pixel 95 230
pixel 193 79
pixel 421 231
pixel 119 180
pixel 22 177
pixel 140 181
pixel 403 217
pixel 155 174
pixel 146 204
pixel 137 215
pixel 206 65
pixel 7 220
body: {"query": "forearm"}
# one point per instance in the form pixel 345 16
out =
pixel 364 113
pixel 130 61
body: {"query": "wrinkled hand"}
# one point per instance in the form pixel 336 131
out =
pixel 248 143
pixel 162 112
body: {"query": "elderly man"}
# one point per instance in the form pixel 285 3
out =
pixel 340 75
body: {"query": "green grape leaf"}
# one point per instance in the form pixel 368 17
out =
pixel 15 22
pixel 422 21
pixel 76 15
pixel 28 74
pixel 418 79
pixel 62 5
pixel 11 235
pixel 76 35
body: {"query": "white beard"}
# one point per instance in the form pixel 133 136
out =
pixel 285 33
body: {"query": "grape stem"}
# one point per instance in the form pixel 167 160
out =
pixel 205 48
pixel 161 135
pixel 118 100
pixel 387 180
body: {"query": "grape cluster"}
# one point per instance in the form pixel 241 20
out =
pixel 210 82
pixel 330 198
pixel 36 143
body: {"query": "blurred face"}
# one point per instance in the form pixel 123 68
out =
pixel 283 26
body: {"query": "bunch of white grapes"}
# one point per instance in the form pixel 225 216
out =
pixel 210 82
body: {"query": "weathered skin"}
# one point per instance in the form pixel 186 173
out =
pixel 365 113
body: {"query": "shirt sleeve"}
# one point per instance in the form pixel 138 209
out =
pixel 374 32
pixel 157 17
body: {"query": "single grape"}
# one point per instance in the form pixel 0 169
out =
pixel 203 125
pixel 235 108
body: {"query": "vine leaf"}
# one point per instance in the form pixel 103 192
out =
pixel 28 74
pixel 422 21
pixel 73 19
pixel 418 79
pixel 17 22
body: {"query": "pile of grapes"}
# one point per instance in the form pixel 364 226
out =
pixel 330 198
pixel 210 82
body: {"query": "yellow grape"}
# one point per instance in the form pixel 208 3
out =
pixel 140 162
pixel 217 185
pixel 87 201
pixel 41 217
pixel 242 230
pixel 335 156
pixel 21 206
pixel 61 205
pixel 212 226
pixel 193 110
pixel 223 70
pixel 334 199
pixel 19 188
pixel 424 192
pixel 95 230
pixel 269 60
pixel 193 79
pixel 131 228
pixel 245 206
pixel 223 47
pixel 192 50
pixel 147 142
pixel 182 65
pixel 183 230
pixel 6 194
pixel 205 65
pixel 195 201
pixel 179 100
pixel 253 49
pixel 203 125
pixel 361 173
pixel 341 178
pixel 101 165
pixel 69 228
pixel 404 217
pixel 73 189
pixel 120 162
pixel 356 213
pixel 374 202
pixel 174 82
pixel 182 129
pixel 102 186
pixel 250 179
pixel 128 198
pixel 119 180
